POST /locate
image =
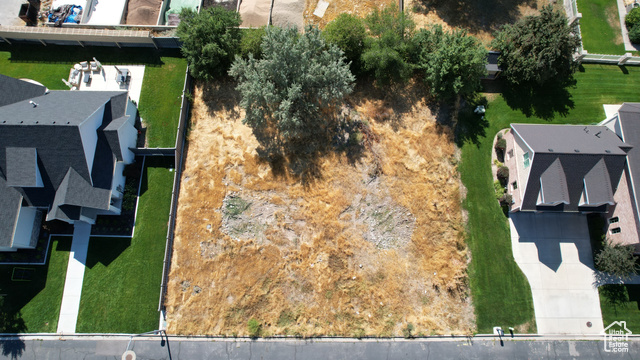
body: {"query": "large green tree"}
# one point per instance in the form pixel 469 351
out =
pixel 452 61
pixel 209 39
pixel 290 92
pixel 389 46
pixel 537 49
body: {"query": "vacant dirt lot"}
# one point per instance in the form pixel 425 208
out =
pixel 479 18
pixel 365 247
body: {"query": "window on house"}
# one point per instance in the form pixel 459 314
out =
pixel 526 160
pixel 615 230
pixel 614 220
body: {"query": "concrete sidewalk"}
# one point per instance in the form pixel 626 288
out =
pixel 75 277
pixel 554 253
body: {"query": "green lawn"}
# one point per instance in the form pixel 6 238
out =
pixel 162 85
pixel 121 286
pixel 160 103
pixel 629 311
pixel 35 305
pixel 500 292
pixel 600 27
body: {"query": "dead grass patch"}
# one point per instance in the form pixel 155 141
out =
pixel 351 253
pixel 479 18
pixel 614 21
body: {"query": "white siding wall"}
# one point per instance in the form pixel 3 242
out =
pixel 24 227
pixel 523 174
pixel 89 135
pixel 127 134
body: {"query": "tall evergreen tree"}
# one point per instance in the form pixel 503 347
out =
pixel 537 49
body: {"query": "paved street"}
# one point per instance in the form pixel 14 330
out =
pixel 185 349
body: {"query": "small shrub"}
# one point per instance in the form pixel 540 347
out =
pixel 506 200
pixel 634 34
pixel 499 189
pixel 349 33
pixel 501 144
pixel 503 175
pixel 617 260
pixel 407 332
pixel 359 333
pixel 235 206
pixel 254 327
pixel 251 42
pixel 632 18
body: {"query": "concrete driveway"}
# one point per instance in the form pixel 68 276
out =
pixel 554 252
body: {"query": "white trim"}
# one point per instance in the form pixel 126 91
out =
pixel 523 140
pixel 135 215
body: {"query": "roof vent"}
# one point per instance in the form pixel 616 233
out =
pixel 33 103
pixel 576 150
pixel 68 122
pixel 550 150
pixel 608 151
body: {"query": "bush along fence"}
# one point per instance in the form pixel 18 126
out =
pixel 177 175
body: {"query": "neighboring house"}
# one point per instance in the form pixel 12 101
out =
pixel 578 168
pixel 493 70
pixel 62 156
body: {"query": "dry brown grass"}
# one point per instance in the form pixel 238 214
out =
pixel 479 18
pixel 360 8
pixel 347 254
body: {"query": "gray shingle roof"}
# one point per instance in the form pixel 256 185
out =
pixel 553 185
pixel 14 90
pixel 21 167
pixel 10 201
pixel 57 108
pixel 597 186
pixel 568 139
pixel 576 166
pixel 50 129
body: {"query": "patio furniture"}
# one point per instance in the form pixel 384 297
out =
pixel 84 65
pixel 122 75
pixel 87 78
pixel 98 64
pixel 94 66
pixel 74 77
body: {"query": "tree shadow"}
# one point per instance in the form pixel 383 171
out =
pixel 471 126
pixel 13 348
pixel 475 16
pixel 544 102
pixel 221 95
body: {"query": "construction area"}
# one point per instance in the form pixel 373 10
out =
pixel 366 247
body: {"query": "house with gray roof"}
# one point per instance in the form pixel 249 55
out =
pixel 580 168
pixel 62 156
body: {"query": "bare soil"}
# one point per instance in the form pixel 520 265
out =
pixel 479 18
pixel 364 248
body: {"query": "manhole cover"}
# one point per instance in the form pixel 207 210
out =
pixel 129 355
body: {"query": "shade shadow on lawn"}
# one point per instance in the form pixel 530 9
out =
pixel 34 305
